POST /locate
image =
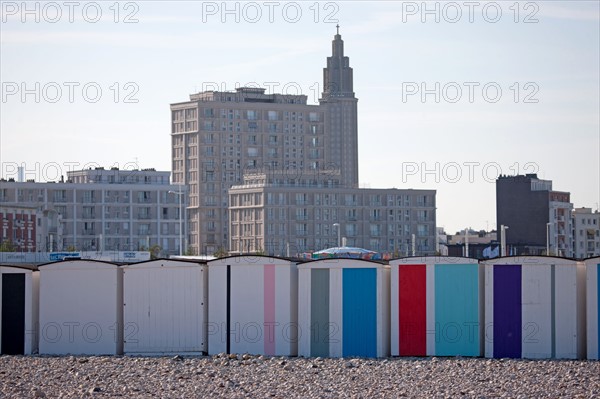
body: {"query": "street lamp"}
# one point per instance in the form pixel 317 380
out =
pixel 337 225
pixel 179 195
pixel 548 238
pixel 503 229
pixel 466 242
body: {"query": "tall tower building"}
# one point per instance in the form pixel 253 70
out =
pixel 218 136
pixel 535 214
pixel 340 107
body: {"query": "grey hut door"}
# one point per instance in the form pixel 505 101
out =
pixel 13 314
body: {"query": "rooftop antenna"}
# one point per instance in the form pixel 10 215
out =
pixel 338 28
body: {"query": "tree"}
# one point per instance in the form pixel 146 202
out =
pixel 7 246
pixel 155 251
pixel 221 253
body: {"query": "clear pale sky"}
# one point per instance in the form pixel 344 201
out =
pixel 543 56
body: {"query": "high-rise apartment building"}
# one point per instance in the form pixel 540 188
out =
pixel 218 136
pixel 535 214
pixel 586 233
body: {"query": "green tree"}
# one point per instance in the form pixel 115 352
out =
pixel 7 246
pixel 155 251
pixel 221 253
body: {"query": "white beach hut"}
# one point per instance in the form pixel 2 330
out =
pixel 436 306
pixel 252 305
pixel 81 308
pixel 534 308
pixel 344 308
pixel 165 307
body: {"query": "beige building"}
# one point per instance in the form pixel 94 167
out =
pixel 290 218
pixel 217 137
pixel 103 210
pixel 586 233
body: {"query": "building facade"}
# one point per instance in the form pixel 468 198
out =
pixel 535 214
pixel 103 210
pixel 289 219
pixel 217 137
pixel 19 228
pixel 586 233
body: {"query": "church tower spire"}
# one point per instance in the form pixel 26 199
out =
pixel 340 107
pixel 337 76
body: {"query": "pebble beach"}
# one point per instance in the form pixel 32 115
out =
pixel 245 376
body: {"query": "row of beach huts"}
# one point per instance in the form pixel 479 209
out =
pixel 516 307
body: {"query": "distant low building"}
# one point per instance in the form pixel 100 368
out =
pixel 287 219
pixel 19 228
pixel 99 210
pixel 474 244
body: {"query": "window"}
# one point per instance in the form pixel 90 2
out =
pixel 301 199
pixel 350 229
pixel 313 117
pixel 272 115
pixel 375 230
pixel 301 214
pixel 375 214
pixel 251 115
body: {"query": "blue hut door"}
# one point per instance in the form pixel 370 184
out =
pixel 359 312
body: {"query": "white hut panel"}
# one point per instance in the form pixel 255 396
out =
pixel 534 308
pixel 18 310
pixel 253 306
pixel 81 308
pixel 165 307
pixel 343 308
pixel 592 266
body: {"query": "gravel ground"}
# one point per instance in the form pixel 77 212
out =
pixel 230 376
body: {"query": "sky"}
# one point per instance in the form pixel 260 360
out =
pixel 451 94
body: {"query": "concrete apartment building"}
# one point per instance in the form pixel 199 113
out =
pixel 586 233
pixel 282 219
pixel 98 209
pixel 219 137
pixel 533 211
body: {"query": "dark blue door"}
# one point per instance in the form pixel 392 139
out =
pixel 13 314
